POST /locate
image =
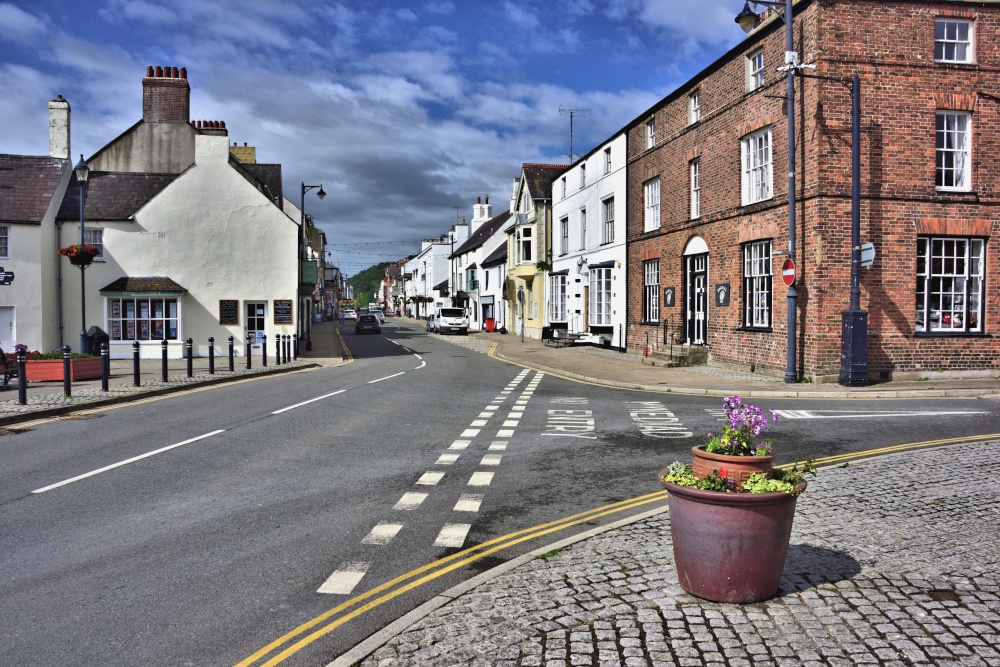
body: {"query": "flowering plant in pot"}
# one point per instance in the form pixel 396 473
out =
pixel 78 249
pixel 731 529
pixel 740 448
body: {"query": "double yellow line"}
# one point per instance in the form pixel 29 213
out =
pixel 329 621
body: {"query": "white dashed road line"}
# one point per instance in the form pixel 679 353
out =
pixel 344 579
pixel 430 478
pixel 469 502
pixel 481 479
pixel 452 535
pixel 410 501
pixel 382 533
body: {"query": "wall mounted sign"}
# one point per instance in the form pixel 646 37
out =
pixel 668 297
pixel 722 294
pixel 229 311
pixel 282 311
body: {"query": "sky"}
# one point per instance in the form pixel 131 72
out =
pixel 405 112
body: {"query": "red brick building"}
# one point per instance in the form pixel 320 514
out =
pixel 708 193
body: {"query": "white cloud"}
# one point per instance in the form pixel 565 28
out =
pixel 18 25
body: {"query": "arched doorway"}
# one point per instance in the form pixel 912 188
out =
pixel 696 291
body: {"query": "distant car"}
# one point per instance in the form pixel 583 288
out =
pixel 350 314
pixel 367 323
pixel 377 312
pixel 431 320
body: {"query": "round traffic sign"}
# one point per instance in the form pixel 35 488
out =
pixel 788 272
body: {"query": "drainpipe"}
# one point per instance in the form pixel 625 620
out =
pixel 59 280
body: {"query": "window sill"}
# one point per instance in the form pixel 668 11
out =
pixel 651 323
pixel 755 329
pixel 951 334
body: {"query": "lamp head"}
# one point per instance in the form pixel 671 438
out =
pixel 321 193
pixel 82 170
pixel 747 18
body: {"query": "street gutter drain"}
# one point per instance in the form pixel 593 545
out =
pixel 13 431
pixel 943 595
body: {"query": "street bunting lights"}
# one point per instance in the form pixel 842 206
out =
pixel 748 20
pixel 305 321
pixel 82 174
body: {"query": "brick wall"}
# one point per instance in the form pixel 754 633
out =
pixel 902 88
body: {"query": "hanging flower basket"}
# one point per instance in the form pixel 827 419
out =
pixel 79 254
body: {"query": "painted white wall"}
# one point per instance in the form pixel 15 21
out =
pixel 213 233
pixel 588 249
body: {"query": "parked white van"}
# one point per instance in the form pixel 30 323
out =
pixel 451 320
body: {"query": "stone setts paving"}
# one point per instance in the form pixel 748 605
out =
pixel 893 561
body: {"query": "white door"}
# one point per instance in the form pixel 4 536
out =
pixel 7 328
pixel 256 323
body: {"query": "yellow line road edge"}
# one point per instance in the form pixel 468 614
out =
pixel 426 573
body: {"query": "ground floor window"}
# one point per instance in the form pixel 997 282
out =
pixel 757 284
pixel 600 297
pixel 949 284
pixel 557 298
pixel 651 291
pixel 143 318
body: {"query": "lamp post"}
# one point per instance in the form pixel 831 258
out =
pixel 82 174
pixel 304 323
pixel 748 21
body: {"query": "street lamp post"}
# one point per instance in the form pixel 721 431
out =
pixel 748 21
pixel 82 174
pixel 305 328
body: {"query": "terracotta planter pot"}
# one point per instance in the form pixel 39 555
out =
pixel 47 370
pixel 730 547
pixel 738 468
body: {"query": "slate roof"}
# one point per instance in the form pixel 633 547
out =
pixel 265 176
pixel 539 178
pixel 27 185
pixel 498 256
pixel 485 231
pixel 112 195
pixel 150 285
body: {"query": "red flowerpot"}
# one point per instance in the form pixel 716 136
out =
pixel 738 468
pixel 730 547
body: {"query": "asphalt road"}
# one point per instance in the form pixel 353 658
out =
pixel 264 515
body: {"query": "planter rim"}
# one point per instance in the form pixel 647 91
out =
pixel 727 498
pixel 699 450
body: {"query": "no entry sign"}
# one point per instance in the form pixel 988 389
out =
pixel 788 272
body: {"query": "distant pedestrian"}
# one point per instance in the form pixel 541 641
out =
pixel 341 317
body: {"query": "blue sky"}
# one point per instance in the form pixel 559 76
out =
pixel 403 111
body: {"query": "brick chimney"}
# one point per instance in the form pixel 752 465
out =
pixel 59 128
pixel 166 95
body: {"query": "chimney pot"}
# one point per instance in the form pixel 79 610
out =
pixel 487 199
pixel 173 72
pixel 184 73
pixel 149 70
pixel 159 71
pixel 479 200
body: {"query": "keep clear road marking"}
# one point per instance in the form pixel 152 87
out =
pixel 125 462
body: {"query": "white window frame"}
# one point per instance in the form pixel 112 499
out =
pixel 755 70
pixel 694 107
pixel 525 240
pixel 95 237
pixel 950 45
pixel 562 182
pixel 651 204
pixel 564 235
pixel 583 175
pixel 557 298
pixel 757 284
pixel 608 211
pixel 695 174
pixel 651 290
pixel 583 228
pixel 953 151
pixel 142 317
pixel 650 134
pixel 607 160
pixel 600 297
pixel 757 173
pixel 949 291
pixel 5 241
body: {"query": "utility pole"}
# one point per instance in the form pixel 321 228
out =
pixel 572 113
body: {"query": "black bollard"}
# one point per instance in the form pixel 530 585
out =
pixel 288 348
pixel 295 347
pixel 277 349
pixel 135 364
pixel 249 343
pixel 105 366
pixel 232 361
pixel 211 355
pixel 66 371
pixel 263 349
pixel 163 359
pixel 22 380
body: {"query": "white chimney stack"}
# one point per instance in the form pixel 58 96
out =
pixel 59 128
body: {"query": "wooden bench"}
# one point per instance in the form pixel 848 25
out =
pixel 9 368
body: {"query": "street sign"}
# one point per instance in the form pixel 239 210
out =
pixel 867 254
pixel 6 277
pixel 788 272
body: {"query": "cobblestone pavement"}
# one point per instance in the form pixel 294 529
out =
pixel 893 561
